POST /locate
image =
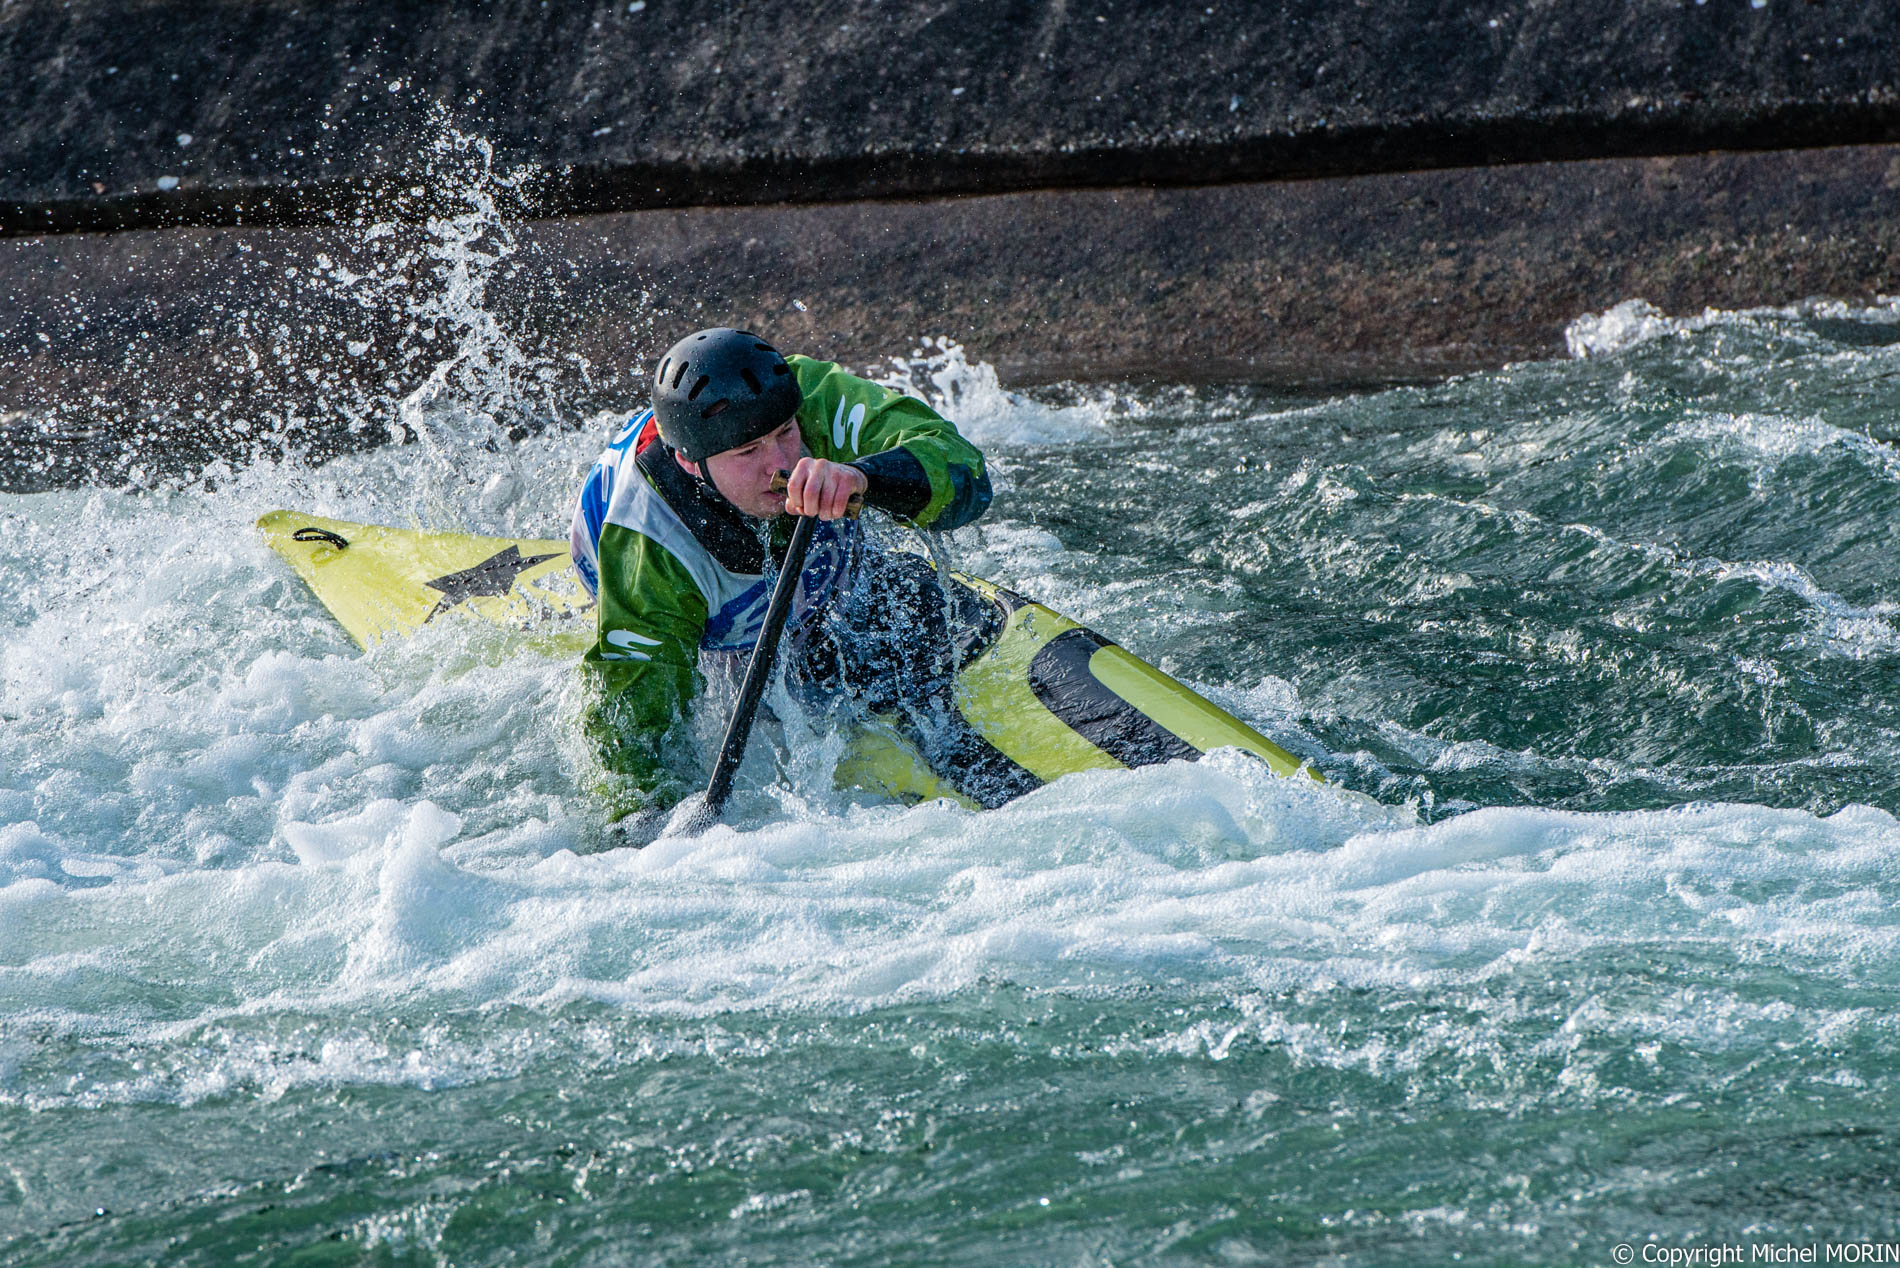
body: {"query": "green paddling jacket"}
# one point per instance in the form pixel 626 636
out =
pixel 679 572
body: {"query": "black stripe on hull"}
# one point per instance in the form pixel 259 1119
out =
pixel 978 769
pixel 1059 676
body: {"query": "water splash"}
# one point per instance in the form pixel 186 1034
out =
pixel 480 382
pixel 942 375
pixel 1628 324
pixel 301 348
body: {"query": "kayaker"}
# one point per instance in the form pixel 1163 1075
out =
pixel 671 531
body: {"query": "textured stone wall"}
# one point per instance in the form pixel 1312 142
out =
pixel 224 220
pixel 187 343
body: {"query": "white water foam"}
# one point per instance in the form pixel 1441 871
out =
pixel 1632 322
pixel 1842 628
pixel 1635 322
pixel 940 374
pixel 1765 442
pixel 1212 873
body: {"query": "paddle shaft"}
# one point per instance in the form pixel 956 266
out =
pixel 764 653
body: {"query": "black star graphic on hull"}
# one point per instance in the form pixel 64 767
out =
pixel 492 577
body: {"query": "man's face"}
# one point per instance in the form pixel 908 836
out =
pixel 745 474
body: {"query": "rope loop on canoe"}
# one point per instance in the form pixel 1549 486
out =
pixel 311 533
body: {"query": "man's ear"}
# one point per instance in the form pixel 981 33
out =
pixel 691 468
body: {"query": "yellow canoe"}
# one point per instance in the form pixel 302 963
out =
pixel 1052 695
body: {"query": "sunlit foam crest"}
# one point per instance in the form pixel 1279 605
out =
pixel 1855 630
pixel 1625 325
pixel 971 395
pixel 1768 440
pixel 1634 322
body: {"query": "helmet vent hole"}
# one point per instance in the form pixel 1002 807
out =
pixel 698 387
pixel 781 368
pixel 752 381
pixel 679 374
pixel 664 367
pixel 717 407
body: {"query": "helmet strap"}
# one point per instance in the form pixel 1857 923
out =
pixel 702 475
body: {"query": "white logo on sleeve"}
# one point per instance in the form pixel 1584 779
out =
pixel 629 644
pixel 840 423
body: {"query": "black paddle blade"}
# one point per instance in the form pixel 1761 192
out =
pixel 691 817
pixel 764 652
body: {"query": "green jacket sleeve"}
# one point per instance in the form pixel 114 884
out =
pixel 920 468
pixel 642 672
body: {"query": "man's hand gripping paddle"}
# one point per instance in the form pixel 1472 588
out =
pixel 758 673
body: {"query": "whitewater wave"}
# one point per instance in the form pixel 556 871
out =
pixel 1213 874
pixel 1635 322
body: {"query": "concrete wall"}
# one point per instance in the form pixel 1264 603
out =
pixel 203 340
pixel 296 110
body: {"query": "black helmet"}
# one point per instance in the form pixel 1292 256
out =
pixel 719 389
